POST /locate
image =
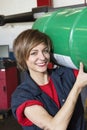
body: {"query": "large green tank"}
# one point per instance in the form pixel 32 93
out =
pixel 67 28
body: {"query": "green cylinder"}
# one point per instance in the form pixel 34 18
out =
pixel 67 28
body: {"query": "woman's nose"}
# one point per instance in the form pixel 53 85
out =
pixel 41 56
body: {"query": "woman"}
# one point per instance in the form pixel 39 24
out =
pixel 49 98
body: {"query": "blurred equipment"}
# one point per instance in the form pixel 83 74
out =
pixel 8 80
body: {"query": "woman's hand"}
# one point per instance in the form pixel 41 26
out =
pixel 81 80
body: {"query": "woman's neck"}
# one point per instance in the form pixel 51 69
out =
pixel 40 78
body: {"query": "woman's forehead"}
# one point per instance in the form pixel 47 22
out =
pixel 41 45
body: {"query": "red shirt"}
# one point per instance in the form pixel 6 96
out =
pixel 50 90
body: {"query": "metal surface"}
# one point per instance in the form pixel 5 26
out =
pixel 67 29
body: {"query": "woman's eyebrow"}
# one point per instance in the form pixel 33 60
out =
pixel 37 49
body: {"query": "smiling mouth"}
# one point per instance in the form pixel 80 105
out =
pixel 42 64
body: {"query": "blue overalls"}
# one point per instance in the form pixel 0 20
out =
pixel 63 79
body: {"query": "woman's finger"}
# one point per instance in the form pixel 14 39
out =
pixel 81 67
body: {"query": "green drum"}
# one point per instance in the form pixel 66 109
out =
pixel 67 28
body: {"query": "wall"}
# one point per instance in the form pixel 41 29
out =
pixel 9 32
pixel 60 3
pixel 8 7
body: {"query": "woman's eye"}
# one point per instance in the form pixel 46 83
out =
pixel 33 53
pixel 46 51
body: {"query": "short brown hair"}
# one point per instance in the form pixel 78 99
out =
pixel 25 42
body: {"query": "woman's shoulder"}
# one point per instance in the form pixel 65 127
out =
pixel 63 70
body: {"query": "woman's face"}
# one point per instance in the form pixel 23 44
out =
pixel 38 59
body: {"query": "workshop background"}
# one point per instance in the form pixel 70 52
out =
pixel 9 29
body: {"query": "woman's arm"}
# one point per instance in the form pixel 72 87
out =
pixel 40 117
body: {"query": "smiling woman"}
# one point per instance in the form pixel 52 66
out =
pixel 38 60
pixel 47 95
